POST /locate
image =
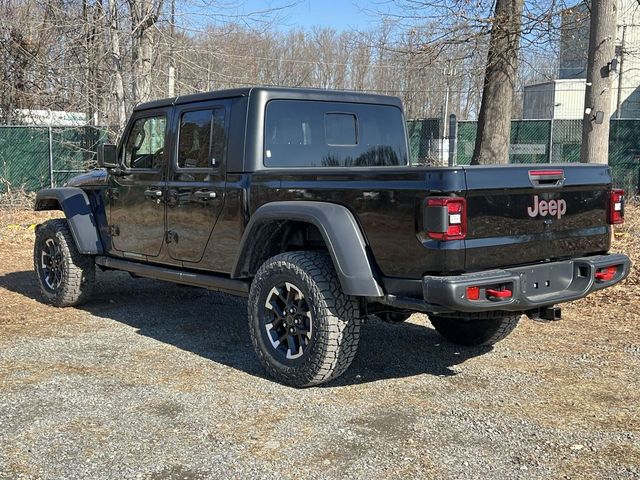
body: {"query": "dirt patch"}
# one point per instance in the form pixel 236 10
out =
pixel 128 386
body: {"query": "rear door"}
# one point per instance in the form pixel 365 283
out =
pixel 525 214
pixel 196 185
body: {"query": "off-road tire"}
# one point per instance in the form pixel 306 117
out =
pixel 335 319
pixel 394 317
pixel 77 271
pixel 474 329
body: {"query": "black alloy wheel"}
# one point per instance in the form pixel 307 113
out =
pixel 51 265
pixel 287 321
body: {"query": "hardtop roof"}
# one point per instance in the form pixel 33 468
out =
pixel 279 92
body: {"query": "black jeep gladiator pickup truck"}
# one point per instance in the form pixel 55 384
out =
pixel 304 201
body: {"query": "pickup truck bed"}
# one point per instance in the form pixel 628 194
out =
pixel 390 204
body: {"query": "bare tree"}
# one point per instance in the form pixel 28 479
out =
pixel 104 56
pixel 116 65
pixel 144 16
pixel 494 120
pixel 597 100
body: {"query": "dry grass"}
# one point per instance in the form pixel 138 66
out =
pixel 622 299
pixel 17 226
pixel 14 199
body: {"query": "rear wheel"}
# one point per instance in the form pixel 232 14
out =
pixel 66 277
pixel 473 329
pixel 304 329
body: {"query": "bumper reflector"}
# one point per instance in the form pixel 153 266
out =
pixel 473 293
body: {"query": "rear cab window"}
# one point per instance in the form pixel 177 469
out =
pixel 332 134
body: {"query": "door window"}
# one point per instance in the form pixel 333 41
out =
pixel 202 139
pixel 145 145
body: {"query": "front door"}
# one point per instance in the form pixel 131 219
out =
pixel 196 186
pixel 137 213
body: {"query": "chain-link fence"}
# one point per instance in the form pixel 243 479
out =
pixel 36 157
pixel 539 141
pixel 425 136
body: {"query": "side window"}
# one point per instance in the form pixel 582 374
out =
pixel 145 144
pixel 202 139
pixel 219 137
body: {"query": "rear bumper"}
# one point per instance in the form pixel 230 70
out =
pixel 531 287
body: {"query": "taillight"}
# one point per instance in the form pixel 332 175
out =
pixel 616 207
pixel 446 218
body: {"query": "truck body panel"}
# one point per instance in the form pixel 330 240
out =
pixel 514 216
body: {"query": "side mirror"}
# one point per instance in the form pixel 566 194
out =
pixel 107 156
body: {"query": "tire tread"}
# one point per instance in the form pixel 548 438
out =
pixel 79 273
pixel 337 344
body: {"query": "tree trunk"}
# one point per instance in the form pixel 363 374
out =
pixel 595 136
pixel 144 15
pixel 494 119
pixel 116 66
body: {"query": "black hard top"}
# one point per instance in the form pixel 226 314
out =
pixel 275 92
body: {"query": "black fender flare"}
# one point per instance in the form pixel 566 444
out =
pixel 77 209
pixel 341 234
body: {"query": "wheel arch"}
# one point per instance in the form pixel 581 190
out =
pixel 270 229
pixel 79 214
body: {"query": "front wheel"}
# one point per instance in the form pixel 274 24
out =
pixel 66 277
pixel 474 329
pixel 304 329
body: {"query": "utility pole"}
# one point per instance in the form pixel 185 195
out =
pixel 623 47
pixel 449 71
pixel 597 99
pixel 172 68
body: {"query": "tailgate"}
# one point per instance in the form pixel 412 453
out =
pixel 525 214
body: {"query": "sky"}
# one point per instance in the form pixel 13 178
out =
pixel 337 14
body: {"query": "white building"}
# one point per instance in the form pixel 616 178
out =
pixel 56 118
pixel 563 98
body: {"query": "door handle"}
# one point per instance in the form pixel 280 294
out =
pixel 153 194
pixel 205 194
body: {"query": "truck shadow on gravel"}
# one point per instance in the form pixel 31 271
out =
pixel 214 326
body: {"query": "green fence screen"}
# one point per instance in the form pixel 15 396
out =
pixel 25 160
pixel 546 141
pixel 25 151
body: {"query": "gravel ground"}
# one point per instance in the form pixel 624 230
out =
pixel 151 380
